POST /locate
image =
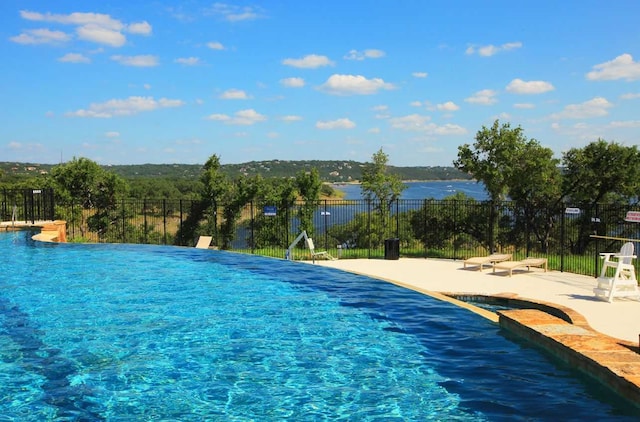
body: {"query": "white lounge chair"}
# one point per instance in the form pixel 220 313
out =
pixel 315 254
pixel 481 261
pixel 204 242
pixel 525 263
pixel 624 282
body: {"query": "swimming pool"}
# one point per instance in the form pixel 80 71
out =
pixel 136 332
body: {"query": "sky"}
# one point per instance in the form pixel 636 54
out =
pixel 134 82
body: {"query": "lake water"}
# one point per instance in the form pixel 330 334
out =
pixel 423 190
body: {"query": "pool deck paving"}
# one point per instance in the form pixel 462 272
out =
pixel 562 314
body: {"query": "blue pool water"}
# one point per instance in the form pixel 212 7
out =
pixel 137 332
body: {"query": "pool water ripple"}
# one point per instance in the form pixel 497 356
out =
pixel 122 332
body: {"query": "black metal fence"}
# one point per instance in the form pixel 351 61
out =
pixel 571 238
pixel 28 205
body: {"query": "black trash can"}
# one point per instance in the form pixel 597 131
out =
pixel 392 248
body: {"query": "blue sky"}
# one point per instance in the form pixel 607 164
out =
pixel 124 82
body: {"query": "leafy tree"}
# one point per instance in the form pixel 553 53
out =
pixel 380 188
pixel 241 192
pixel 309 185
pixel 215 185
pixel 599 172
pixel 96 189
pixel 510 165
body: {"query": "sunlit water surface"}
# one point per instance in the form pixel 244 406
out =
pixel 133 332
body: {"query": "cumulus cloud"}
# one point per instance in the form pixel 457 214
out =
pixel 234 94
pixel 421 123
pixel 448 106
pixel 291 118
pixel 188 61
pixel 94 27
pixel 354 85
pixel 101 35
pixel 311 61
pixel 624 124
pixel 622 67
pixel 292 82
pixel 112 134
pixel 524 105
pixel 419 74
pixel 214 45
pixel 41 36
pixel 483 97
pixel 74 58
pixel 136 61
pixel 335 124
pixel 630 96
pixel 518 86
pixel 242 118
pixel 125 107
pixel 233 13
pixel 490 50
pixel 596 107
pixel 366 54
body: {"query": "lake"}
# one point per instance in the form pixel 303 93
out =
pixel 422 190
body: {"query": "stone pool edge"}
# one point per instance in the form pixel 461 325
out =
pixel 561 332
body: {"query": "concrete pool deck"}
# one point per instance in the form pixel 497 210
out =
pixel 599 338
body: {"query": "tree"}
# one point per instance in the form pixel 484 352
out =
pixel 85 181
pixel 510 165
pixel 215 187
pixel 308 184
pixel 599 172
pixel 381 189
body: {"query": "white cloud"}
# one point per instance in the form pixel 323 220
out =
pixel 518 86
pixel 214 45
pixel 141 28
pixel 625 124
pixel 622 67
pixel 233 13
pixel 125 107
pixel 374 130
pixel 101 35
pixel 448 106
pixel 74 58
pixel 630 96
pixel 524 105
pixel 381 107
pixel 136 61
pixel 411 122
pixel 94 27
pixel 234 94
pixel 112 134
pixel 354 85
pixel 596 107
pixel 291 118
pixel 490 50
pixel 335 124
pixel 421 123
pixel 419 74
pixel 242 118
pixel 41 36
pixel 366 54
pixel 415 103
pixel 311 61
pixel 483 97
pixel 292 82
pixel 188 61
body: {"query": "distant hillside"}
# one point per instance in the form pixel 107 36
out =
pixel 330 171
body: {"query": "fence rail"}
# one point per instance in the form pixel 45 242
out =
pixel 26 205
pixel 448 229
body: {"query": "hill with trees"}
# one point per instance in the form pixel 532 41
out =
pixel 335 171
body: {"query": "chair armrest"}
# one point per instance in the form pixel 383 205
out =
pixel 607 255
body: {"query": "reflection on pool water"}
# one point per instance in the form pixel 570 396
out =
pixel 133 332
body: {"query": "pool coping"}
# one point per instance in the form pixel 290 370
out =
pixel 561 332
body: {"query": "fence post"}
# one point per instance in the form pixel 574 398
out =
pixel 252 227
pixel 124 223
pixel 369 228
pixel 164 220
